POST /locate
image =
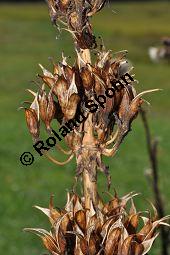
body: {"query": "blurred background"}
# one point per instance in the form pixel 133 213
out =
pixel 28 38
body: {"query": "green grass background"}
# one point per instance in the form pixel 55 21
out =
pixel 26 39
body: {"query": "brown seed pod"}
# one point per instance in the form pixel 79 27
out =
pixel 94 244
pixel 99 86
pixel 86 39
pixel 60 90
pixel 87 78
pixel 47 108
pixel 56 69
pixel 80 218
pixel 71 108
pixel 137 248
pixel 114 70
pixel 97 71
pixel 32 123
pixel 75 232
pixel 48 80
pixel 43 103
pixel 132 223
pixel 145 230
pixel 61 241
pixel 96 5
pixel 112 241
pixel 74 21
pixel 126 246
pixel 54 214
pixel 50 245
pixel 63 5
pixel 68 73
pixel 58 112
pixel 51 110
pixel 84 246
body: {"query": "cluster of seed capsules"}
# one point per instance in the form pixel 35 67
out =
pixel 74 88
pixel 101 229
pixel 111 230
pixel 74 15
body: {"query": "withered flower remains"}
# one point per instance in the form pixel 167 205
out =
pixel 102 93
pixel 111 230
pixel 75 16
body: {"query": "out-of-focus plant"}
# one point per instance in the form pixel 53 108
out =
pixel 158 54
pixel 153 177
pixel 86 225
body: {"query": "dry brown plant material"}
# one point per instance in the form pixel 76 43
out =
pixel 86 225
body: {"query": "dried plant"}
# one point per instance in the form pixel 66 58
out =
pixel 110 229
pixel 153 178
pixel 95 105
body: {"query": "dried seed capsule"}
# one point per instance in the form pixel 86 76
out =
pixel 48 80
pixel 136 248
pixel 97 71
pixel 51 110
pixel 85 39
pixel 43 102
pixel 99 86
pixel 58 112
pixel 74 21
pixel 32 123
pixel 83 246
pixel 96 6
pixel 68 73
pixel 63 5
pixel 50 244
pixel 60 90
pixel 94 244
pixel 87 78
pixel 57 69
pixel 126 246
pixel 113 241
pixel 80 218
pixel 71 108
pixel 114 70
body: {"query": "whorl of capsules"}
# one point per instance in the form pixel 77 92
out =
pixel 81 88
pixel 112 229
pixel 70 87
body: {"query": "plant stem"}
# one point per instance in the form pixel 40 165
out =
pixel 90 190
pixel 152 151
pixel 89 152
